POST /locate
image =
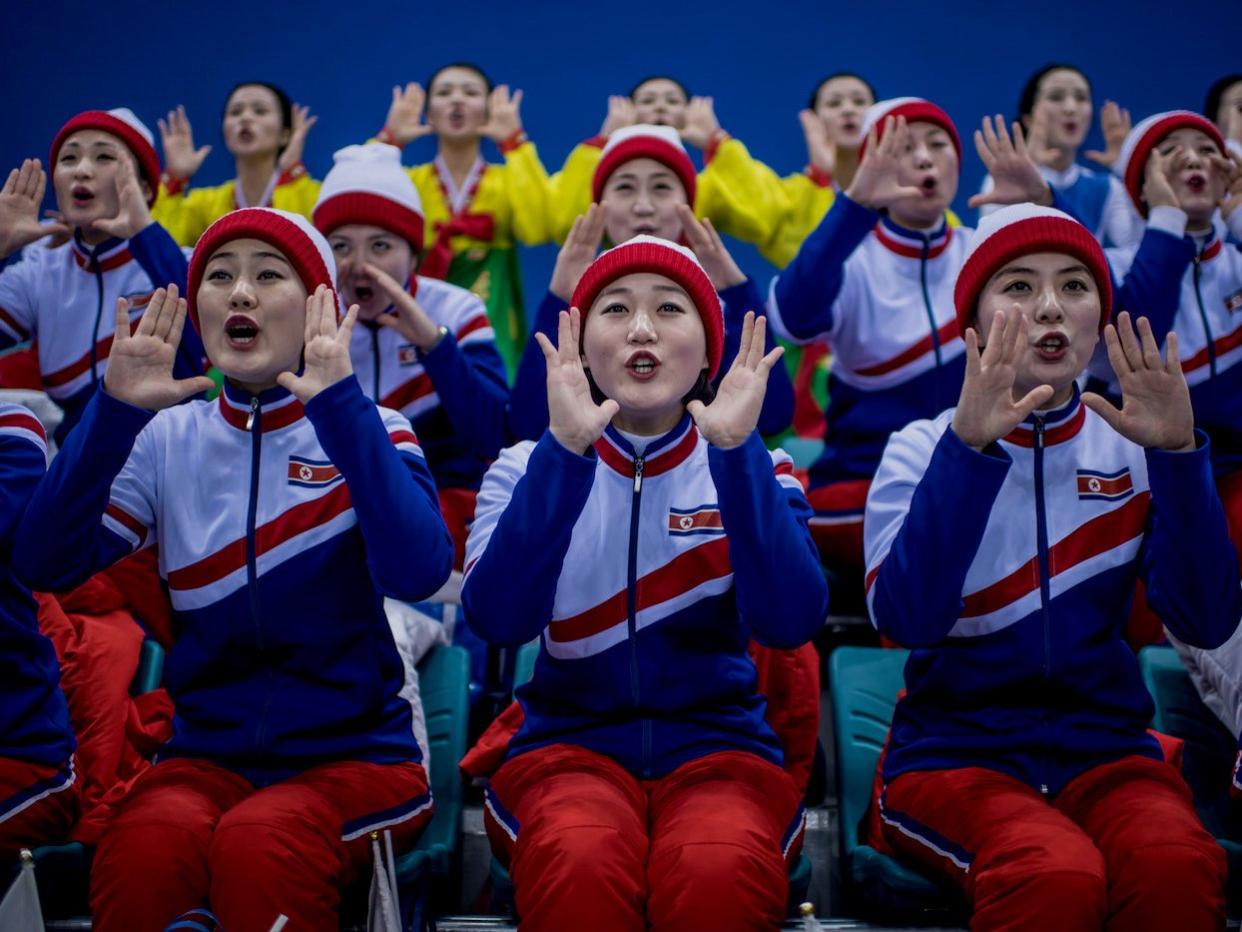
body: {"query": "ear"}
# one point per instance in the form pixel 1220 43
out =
pixel 146 189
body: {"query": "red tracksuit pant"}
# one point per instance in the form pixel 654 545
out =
pixel 38 805
pixel 1120 848
pixel 591 846
pixel 837 525
pixel 191 832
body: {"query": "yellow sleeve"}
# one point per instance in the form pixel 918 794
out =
pixel 808 202
pixel 741 195
pixel 952 219
pixel 297 196
pixel 528 190
pixel 571 187
pixel 188 213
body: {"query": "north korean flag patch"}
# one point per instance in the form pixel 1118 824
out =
pixel 407 355
pixel 1104 486
pixel 693 522
pixel 1233 302
pixel 312 474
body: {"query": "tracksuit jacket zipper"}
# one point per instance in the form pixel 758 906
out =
pixel 99 303
pixel 1207 328
pixel 254 424
pixel 927 305
pixel 1045 589
pixel 631 609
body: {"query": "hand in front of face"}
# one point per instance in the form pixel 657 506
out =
pixel 1230 168
pixel 140 365
pixel 1158 178
pixel 574 418
pixel 821 150
pixel 302 123
pixel 986 410
pixel 1115 124
pixel 621 113
pixel 1155 402
pixel 133 215
pixel 20 199
pixel 404 122
pixel 877 183
pixel 701 123
pixel 710 250
pixel 181 159
pixel 411 321
pixel 581 246
pixel 503 117
pixel 1037 146
pixel 325 352
pixel 1015 177
pixel 734 412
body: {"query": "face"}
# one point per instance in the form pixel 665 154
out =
pixel 1197 186
pixel 1064 101
pixel 1061 304
pixel 457 103
pixel 356 245
pixel 841 103
pixel 641 196
pixel 662 102
pixel 87 171
pixel 1230 102
pixel 252 311
pixel 930 164
pixel 253 124
pixel 644 344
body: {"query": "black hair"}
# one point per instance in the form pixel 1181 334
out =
pixel 814 101
pixel 282 99
pixel 1030 90
pixel 1211 105
pixel 468 66
pixel 660 77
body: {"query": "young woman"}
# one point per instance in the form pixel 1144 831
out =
pixel 1022 697
pixel 284 513
pixel 1223 106
pixel 476 212
pixel 1055 112
pixel 645 538
pixel 105 174
pixel 266 134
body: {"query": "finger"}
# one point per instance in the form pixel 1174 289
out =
pixel 177 324
pixel 608 410
pixel 1104 408
pixel 992 349
pixel 1035 398
pixel 1173 357
pixel 10 183
pixel 1116 356
pixel 743 346
pixel 549 351
pixel 699 240
pixel 163 127
pixel 713 233
pixel 596 214
pixel 168 311
pixel 150 317
pixel 311 327
pixel 1151 350
pixel 289 382
pixel 40 183
pixel 757 346
pixel 695 409
pixel 571 351
pixel 872 146
pixel 122 321
pixel 328 326
pixel 1015 335
pixel 1129 341
pixel 23 178
pixel 985 154
pixel 989 136
pixel 564 334
pixel 516 100
pixel 1019 141
pixel 571 238
pixel 390 285
pixel 346 330
pixel 1002 135
pixel 188 387
pixel 770 360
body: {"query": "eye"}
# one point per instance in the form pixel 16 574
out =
pixel 1018 286
pixel 270 275
pixel 615 309
pixel 1076 284
pixel 105 157
pixel 340 248
pixel 624 187
pixel 381 246
pixel 668 307
pixel 67 157
pixel 218 275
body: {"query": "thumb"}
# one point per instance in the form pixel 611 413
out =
pixel 202 153
pixel 609 409
pixel 288 381
pixel 1104 408
pixel 187 387
pixel 695 409
pixel 1037 396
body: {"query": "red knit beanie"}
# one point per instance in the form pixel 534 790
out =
pixel 645 141
pixel 1020 230
pixel 367 185
pixel 914 109
pixel 652 254
pixel 125 126
pixel 1136 150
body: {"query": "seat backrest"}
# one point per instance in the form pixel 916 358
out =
pixel 864 683
pixel 150 671
pixel 524 664
pixel 444 684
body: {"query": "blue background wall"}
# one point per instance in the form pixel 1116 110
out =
pixel 758 59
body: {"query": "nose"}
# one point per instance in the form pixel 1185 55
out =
pixel 922 156
pixel 642 328
pixel 242 297
pixel 643 205
pixel 1049 309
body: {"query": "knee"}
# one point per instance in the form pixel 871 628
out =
pixel 587 855
pixel 721 884
pixel 1066 888
pixel 1171 872
pixel 248 846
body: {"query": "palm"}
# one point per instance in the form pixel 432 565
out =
pixel 1115 125
pixel 734 412
pixel 877 183
pixel 574 418
pixel 820 151
pixel 502 114
pixel 325 353
pixel 1016 178
pixel 19 207
pixel 579 251
pixel 405 114
pixel 140 364
pixel 181 159
pixel 302 123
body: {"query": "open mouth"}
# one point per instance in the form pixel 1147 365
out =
pixel 363 293
pixel 929 186
pixel 1070 127
pixel 241 331
pixel 1052 347
pixel 647 229
pixel 1196 183
pixel 642 365
pixel 82 195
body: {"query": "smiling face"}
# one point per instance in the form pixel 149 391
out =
pixel 1197 186
pixel 253 122
pixel 841 103
pixel 662 102
pixel 86 174
pixel 644 344
pixel 929 163
pixel 1064 102
pixel 355 245
pixel 641 196
pixel 457 103
pixel 252 313
pixel 1061 303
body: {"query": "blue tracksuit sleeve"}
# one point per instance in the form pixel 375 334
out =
pixel 782 595
pixel 526 512
pixel 803 295
pixel 470 382
pixel 97 502
pixel 927 510
pixel 165 264
pixel 528 401
pixel 1152 285
pixel 394 497
pixel 1188 563
pixel 23 459
pixel 778 403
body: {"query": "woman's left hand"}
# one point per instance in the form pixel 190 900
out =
pixel 411 321
pixel 325 353
pixel 133 215
pixel 503 117
pixel 1155 402
pixel 701 123
pixel 1015 177
pixel 1230 168
pixel 302 123
pixel 706 243
pixel 734 413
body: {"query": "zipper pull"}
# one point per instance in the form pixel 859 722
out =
pixel 638 475
pixel 254 409
pixel 1043 789
pixel 1039 433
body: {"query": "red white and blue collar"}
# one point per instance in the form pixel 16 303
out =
pixel 277 408
pixel 1059 426
pixel 661 455
pixel 912 243
pixel 110 254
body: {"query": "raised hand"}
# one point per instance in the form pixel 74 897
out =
pixel 503 117
pixel 325 352
pixel 581 246
pixel 710 249
pixel 181 159
pixel 1155 402
pixel 877 184
pixel 701 123
pixel 1037 139
pixel 621 113
pixel 986 409
pixel 302 123
pixel 140 365
pixel 1015 177
pixel 404 122
pixel 574 418
pixel 1158 178
pixel 57 228
pixel 821 151
pixel 734 412
pixel 1115 124
pixel 1230 168
pixel 20 200
pixel 133 215
pixel 411 321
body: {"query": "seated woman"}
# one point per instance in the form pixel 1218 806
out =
pixel 1003 541
pixel 645 538
pixel 284 513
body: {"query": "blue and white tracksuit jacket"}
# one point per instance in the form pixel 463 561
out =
pixel 280 530
pixel 645 575
pixel 65 300
pixel 1009 573
pixel 1097 199
pixel 34 719
pixel 455 395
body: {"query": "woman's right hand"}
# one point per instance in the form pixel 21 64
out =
pixel 405 114
pixel 181 159
pixel 20 199
pixel 876 184
pixel 1115 124
pixel 581 246
pixel 574 418
pixel 1158 178
pixel 140 365
pixel 821 150
pixel 621 113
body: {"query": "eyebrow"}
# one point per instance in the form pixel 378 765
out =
pixel 261 255
pixel 675 288
pixel 1023 270
pixel 658 173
